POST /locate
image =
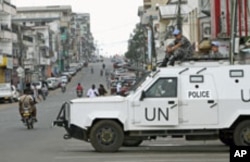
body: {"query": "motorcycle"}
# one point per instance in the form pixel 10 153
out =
pixel 44 92
pixel 27 118
pixel 79 93
pixel 63 88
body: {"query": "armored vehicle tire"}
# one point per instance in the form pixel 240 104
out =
pixel 106 136
pixel 226 138
pixel 131 142
pixel 241 134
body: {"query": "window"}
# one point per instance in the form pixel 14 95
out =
pixel 163 87
pixel 196 79
pixel 236 73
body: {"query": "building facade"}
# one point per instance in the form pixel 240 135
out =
pixel 51 25
pixel 7 37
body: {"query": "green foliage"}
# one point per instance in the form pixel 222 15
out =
pixel 136 45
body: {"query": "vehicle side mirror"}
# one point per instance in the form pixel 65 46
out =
pixel 142 95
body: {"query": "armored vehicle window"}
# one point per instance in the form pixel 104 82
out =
pixel 163 87
pixel 196 79
pixel 236 73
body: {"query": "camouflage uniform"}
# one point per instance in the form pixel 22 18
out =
pixel 215 55
pixel 181 53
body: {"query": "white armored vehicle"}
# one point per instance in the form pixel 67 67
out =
pixel 195 100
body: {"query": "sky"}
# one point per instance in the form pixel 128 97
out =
pixel 111 21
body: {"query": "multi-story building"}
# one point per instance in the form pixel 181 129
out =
pixel 7 37
pixel 53 23
pixel 83 40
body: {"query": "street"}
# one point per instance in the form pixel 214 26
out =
pixel 46 144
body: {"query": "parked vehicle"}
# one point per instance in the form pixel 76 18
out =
pixel 64 79
pixel 65 73
pixel 7 92
pixel 15 93
pixel 53 82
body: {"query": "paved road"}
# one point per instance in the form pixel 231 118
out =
pixel 45 144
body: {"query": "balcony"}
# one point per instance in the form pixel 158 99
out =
pixel 6 8
pixel 6 34
pixel 29 64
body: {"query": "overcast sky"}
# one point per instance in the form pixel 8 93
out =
pixel 112 21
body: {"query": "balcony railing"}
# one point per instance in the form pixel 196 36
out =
pixel 6 7
pixel 6 35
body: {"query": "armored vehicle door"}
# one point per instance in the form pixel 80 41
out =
pixel 199 103
pixel 158 105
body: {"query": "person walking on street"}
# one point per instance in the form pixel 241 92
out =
pixel 101 72
pixel 102 91
pixel 79 90
pixel 92 92
pixel 92 70
pixel 35 93
pixel 118 88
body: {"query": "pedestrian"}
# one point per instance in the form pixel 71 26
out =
pixel 19 87
pixel 118 88
pixel 102 91
pixel 180 49
pixel 92 70
pixel 215 50
pixel 101 72
pixel 92 92
pixel 35 93
pixel 106 73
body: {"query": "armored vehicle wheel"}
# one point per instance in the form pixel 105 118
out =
pixel 132 142
pixel 106 136
pixel 241 134
pixel 226 138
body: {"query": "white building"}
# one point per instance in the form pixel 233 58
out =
pixel 53 23
pixel 6 39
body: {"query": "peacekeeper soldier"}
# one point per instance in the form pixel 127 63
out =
pixel 180 49
pixel 215 50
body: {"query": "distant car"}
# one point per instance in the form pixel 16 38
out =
pixel 38 85
pixel 8 92
pixel 15 93
pixel 72 71
pixel 67 74
pixel 53 82
pixel 85 63
pixel 64 79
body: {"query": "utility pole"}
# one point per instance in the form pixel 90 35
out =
pixel 233 30
pixel 179 18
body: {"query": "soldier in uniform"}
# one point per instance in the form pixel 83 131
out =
pixel 180 49
pixel 215 50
